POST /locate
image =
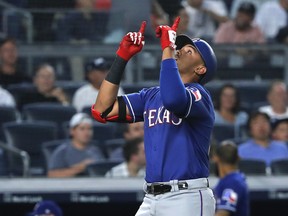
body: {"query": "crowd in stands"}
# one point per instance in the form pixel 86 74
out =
pixel 260 131
pixel 86 21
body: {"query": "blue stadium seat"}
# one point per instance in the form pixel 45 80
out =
pixel 100 168
pixel 252 167
pixel 52 112
pixel 114 148
pixel 29 136
pixel 7 114
pixel 279 167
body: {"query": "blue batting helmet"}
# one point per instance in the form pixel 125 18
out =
pixel 206 52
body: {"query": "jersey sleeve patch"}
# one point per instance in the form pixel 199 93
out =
pixel 228 200
pixel 196 93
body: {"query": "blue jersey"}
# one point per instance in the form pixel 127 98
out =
pixel 176 145
pixel 232 194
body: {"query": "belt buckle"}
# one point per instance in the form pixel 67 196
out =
pixel 182 185
pixel 161 188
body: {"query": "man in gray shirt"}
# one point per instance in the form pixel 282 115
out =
pixel 71 158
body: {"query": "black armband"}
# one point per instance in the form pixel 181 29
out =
pixel 121 109
pixel 116 71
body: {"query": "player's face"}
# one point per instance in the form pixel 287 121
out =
pixel 82 133
pixel 188 59
pixel 260 128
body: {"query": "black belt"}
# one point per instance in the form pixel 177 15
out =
pixel 160 188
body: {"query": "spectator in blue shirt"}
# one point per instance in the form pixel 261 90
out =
pixel 261 146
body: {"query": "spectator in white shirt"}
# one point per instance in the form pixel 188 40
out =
pixel 95 73
pixel 134 164
pixel 277 101
pixel 204 17
pixel 271 17
pixel 7 98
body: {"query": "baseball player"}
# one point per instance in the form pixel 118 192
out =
pixel 231 191
pixel 178 119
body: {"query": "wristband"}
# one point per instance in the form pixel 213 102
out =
pixel 116 71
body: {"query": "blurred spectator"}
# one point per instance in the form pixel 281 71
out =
pixel 227 107
pixel 204 17
pixel 280 130
pixel 133 166
pixel 270 23
pixel 95 73
pixel 282 35
pixel 10 72
pixel 71 158
pixel 241 28
pixel 83 25
pixel 131 131
pixel 44 15
pixel 46 208
pixel 231 192
pixel 169 6
pixel 46 89
pixel 180 11
pixel 125 16
pixel 228 4
pixel 7 98
pixel 260 146
pixel 277 99
pixel 158 15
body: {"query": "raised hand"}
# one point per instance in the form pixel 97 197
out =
pixel 167 34
pixel 132 43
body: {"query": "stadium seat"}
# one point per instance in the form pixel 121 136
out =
pixel 100 168
pixel 29 136
pixel 114 145
pixel 279 167
pixel 52 112
pixel 223 132
pixel 252 167
pixel 18 90
pixel 7 114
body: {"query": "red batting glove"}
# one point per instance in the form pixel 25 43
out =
pixel 167 34
pixel 132 43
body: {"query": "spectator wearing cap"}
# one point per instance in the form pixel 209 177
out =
pixel 95 73
pixel 280 130
pixel 46 208
pixel 72 157
pixel 260 146
pixel 241 29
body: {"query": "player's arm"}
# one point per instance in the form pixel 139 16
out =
pixel 172 89
pixel 107 106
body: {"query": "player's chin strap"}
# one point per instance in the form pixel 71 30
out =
pixel 121 117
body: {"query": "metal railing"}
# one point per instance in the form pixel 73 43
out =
pixel 9 10
pixel 235 62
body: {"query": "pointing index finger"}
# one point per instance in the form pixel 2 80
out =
pixel 142 28
pixel 175 24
